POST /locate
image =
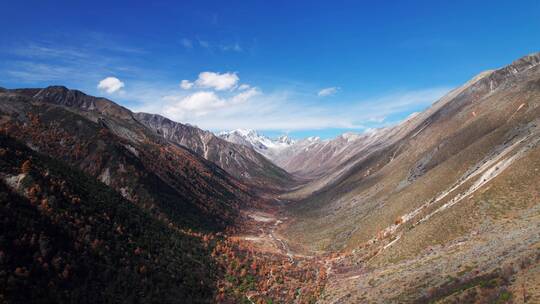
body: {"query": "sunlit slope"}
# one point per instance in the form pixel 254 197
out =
pixel 456 194
pixel 445 146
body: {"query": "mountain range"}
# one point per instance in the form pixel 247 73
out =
pixel 101 204
pixel 266 146
pixel 241 161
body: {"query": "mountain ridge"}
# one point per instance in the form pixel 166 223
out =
pixel 266 146
pixel 241 161
pixel 104 140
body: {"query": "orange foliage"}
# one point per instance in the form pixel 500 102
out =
pixel 26 166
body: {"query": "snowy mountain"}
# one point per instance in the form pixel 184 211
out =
pixel 264 145
pixel 310 156
pixel 314 156
pixel 239 160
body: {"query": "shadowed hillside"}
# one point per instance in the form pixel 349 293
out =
pixel 104 140
pixel 67 237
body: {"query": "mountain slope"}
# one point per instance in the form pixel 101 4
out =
pixel 104 140
pixel 454 175
pixel 66 237
pixel 320 160
pixel 312 157
pixel 124 215
pixel 241 161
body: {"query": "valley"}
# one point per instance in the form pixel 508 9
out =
pixel 443 207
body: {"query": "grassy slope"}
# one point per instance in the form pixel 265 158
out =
pixel 359 205
pixel 496 226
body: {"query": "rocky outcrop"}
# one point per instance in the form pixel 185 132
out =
pixel 63 96
pixel 238 160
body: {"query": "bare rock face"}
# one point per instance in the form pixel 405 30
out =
pixel 238 160
pixel 63 96
pixel 308 158
pixel 312 157
pixel 270 148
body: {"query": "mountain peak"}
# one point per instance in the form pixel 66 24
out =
pixel 64 96
pixel 285 139
pixel 246 132
pixel 57 88
pixel 526 62
pixel 262 144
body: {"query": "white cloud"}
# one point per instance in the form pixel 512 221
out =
pixel 64 60
pixel 186 43
pixel 217 81
pixel 328 91
pixel 221 96
pixel 244 96
pixel 198 103
pixel 285 110
pixel 186 84
pixel 202 103
pixel 226 104
pixel 110 85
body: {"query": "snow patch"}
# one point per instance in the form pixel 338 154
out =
pixel 262 144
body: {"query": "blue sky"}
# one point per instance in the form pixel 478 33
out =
pixel 303 68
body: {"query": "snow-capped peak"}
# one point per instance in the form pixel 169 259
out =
pixel 245 132
pixel 262 144
pixel 285 139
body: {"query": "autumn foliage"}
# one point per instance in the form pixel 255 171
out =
pixel 97 218
pixel 26 167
